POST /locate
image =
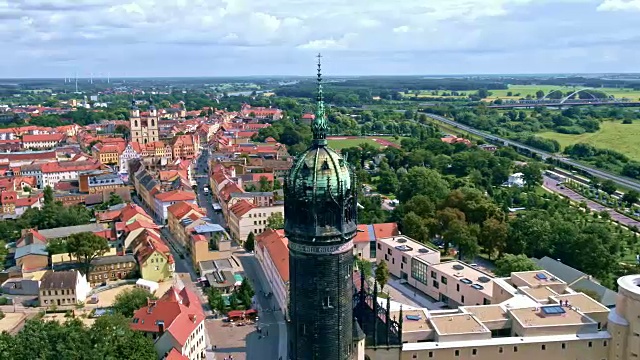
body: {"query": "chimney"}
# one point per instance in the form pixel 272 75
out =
pixel 160 326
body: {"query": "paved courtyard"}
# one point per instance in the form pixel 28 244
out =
pixel 11 321
pixel 229 339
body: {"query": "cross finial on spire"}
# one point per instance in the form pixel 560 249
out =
pixel 320 123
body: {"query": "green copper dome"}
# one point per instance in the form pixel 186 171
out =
pixel 321 169
pixel 320 201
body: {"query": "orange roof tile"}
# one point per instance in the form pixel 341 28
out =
pixel 176 195
pixel 180 311
pixel 180 209
pixel 385 230
pixel 241 207
pixel 275 243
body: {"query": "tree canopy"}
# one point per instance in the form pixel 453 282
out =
pixel 128 301
pixel 85 247
pixel 109 338
pixel 509 263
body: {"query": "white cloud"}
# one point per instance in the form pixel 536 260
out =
pixel 93 31
pixel 401 29
pixel 619 5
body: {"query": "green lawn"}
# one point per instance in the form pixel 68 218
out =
pixel 612 135
pixel 525 90
pixel 346 143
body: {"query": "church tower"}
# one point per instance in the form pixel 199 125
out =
pixel 144 129
pixel 134 122
pixel 320 223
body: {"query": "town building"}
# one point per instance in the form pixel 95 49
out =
pixel 184 147
pixel 209 242
pixel 144 126
pixel 44 141
pixel 154 258
pixel 261 112
pixel 365 242
pixel 245 217
pixel 130 152
pixel 63 288
pixel 273 256
pixel 112 268
pixel 175 322
pixel 163 200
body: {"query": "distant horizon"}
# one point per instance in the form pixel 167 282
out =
pixel 326 76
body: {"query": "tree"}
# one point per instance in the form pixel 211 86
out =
pixel 109 338
pixel 128 301
pixel 245 293
pixel 234 302
pixel 382 274
pixel 388 182
pixel 493 236
pixel 630 197
pixel 250 244
pixel 48 196
pixel 590 293
pixel 275 221
pixel 509 263
pixel 532 175
pixel 364 266
pixel 539 94
pixel 215 300
pixel 85 247
pixel 608 186
pixel 265 184
pixel 413 226
pixel 423 181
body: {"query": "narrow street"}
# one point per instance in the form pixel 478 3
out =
pixel 271 343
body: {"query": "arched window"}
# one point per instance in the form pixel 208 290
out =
pixel 135 123
pixel 153 122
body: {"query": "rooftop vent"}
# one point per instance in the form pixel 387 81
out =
pixel 403 248
pixel 553 310
pixel 402 241
pixel 414 317
pixel 423 250
pixel 466 281
pixel 541 276
pixel 484 279
pixel 477 286
pixel 458 267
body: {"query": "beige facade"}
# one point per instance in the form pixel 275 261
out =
pixel 254 220
pixel 398 251
pixel 538 317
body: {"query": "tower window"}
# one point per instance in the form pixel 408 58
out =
pixel 135 123
pixel 326 302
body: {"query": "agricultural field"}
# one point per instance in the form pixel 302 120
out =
pixel 341 142
pixel 429 94
pixel 524 90
pixel 612 135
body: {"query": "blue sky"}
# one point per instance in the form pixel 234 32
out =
pixel 56 38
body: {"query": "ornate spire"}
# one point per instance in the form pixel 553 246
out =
pixel 320 123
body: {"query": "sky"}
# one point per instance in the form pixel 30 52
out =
pixel 142 38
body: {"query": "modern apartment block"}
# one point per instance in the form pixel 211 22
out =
pixel 528 315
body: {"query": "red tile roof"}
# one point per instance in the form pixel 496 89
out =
pixel 28 201
pixel 275 243
pixel 179 310
pixel 175 355
pixel 43 138
pixel 176 195
pixel 241 207
pixel 385 230
pixel 362 235
pixel 182 208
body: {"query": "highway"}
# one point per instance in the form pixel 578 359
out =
pixel 621 180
